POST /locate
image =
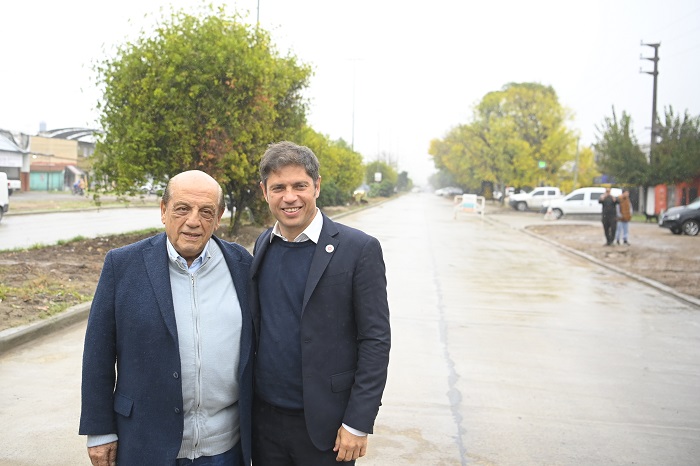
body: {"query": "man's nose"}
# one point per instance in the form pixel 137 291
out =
pixel 193 217
pixel 289 196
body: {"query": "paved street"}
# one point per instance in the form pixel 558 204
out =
pixel 27 230
pixel 506 351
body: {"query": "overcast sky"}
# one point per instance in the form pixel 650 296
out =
pixel 399 72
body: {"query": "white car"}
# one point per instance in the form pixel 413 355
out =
pixel 4 195
pixel 449 191
pixel 582 201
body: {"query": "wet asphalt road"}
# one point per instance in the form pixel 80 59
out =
pixel 19 231
pixel 506 351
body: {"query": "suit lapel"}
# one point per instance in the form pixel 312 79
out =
pixel 327 244
pixel 261 245
pixel 155 260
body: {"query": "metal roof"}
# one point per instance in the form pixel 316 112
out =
pixel 6 145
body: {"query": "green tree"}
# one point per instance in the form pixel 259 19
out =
pixel 389 177
pixel 676 157
pixel 404 183
pixel 580 172
pixel 201 92
pixel 618 152
pixel 518 136
pixel 341 167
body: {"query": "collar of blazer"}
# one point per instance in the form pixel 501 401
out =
pixel 321 258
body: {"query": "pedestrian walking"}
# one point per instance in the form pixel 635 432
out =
pixel 609 216
pixel 624 209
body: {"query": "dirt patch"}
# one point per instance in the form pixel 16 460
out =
pixel 40 282
pixel 654 253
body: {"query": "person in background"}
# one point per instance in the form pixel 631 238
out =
pixel 172 313
pixel 624 215
pixel 609 216
pixel 321 317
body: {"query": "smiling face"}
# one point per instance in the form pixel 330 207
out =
pixel 191 213
pixel 291 194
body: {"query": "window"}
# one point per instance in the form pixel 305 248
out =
pixel 575 197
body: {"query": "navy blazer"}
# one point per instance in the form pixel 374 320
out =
pixel 345 331
pixel 132 323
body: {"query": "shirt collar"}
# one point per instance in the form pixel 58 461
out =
pixel 311 232
pixel 196 264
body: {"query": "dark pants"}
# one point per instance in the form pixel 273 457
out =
pixel 280 438
pixel 233 457
pixel 609 226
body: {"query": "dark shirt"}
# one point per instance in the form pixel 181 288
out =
pixel 609 209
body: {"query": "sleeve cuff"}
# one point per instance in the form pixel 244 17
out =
pixel 97 440
pixel 359 433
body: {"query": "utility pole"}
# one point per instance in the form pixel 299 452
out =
pixel 576 164
pixel 655 74
pixel 652 142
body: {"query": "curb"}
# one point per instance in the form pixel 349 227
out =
pixel 687 299
pixel 13 337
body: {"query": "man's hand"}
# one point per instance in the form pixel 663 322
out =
pixel 348 446
pixel 103 455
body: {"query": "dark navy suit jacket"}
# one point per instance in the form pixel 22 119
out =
pixel 132 323
pixel 345 332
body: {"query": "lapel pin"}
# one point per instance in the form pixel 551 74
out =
pixel 329 248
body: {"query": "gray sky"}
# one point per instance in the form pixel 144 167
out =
pixel 401 73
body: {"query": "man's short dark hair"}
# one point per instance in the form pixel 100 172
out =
pixel 285 153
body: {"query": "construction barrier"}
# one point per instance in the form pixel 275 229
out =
pixel 470 204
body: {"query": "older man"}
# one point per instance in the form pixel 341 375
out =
pixel 171 312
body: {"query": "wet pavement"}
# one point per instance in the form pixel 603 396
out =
pixel 506 351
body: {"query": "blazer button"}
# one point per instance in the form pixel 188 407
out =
pixel 177 410
pixel 175 374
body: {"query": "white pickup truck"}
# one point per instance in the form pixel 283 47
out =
pixel 13 185
pixel 535 199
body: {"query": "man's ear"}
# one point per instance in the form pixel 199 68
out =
pixel 264 191
pixel 318 187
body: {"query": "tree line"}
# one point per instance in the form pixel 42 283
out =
pixel 519 136
pixel 207 91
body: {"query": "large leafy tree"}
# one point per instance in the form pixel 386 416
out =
pixel 618 152
pixel 518 136
pixel 676 157
pixel 201 92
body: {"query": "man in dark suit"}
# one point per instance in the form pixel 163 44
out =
pixel 321 319
pixel 172 313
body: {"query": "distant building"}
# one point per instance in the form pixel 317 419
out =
pixel 14 160
pixel 53 160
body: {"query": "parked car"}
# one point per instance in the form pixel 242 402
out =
pixel 449 191
pixel 582 201
pixel 683 219
pixel 535 199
